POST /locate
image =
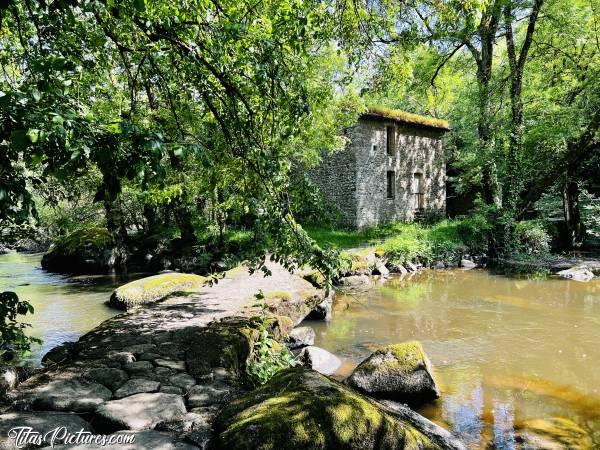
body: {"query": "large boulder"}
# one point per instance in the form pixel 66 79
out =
pixel 138 412
pixel 304 409
pixel 154 288
pixel 88 250
pixel 580 273
pixel 397 372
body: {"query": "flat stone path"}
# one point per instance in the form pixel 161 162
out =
pixel 165 368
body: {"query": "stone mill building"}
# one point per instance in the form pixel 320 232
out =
pixel 392 170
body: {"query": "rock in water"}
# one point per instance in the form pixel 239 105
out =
pixel 300 409
pixel 467 264
pixel 154 288
pixel 577 274
pixel 138 412
pixel 399 372
pixel 555 433
pixel 301 337
pixel 320 360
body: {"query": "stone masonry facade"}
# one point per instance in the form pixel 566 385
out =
pixel 391 171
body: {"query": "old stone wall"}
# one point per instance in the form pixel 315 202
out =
pixel 355 180
pixel 336 178
pixel 415 150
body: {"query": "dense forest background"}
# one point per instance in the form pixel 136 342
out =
pixel 178 134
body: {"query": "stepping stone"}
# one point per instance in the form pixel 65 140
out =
pixel 70 395
pixel 144 440
pixel 168 389
pixel 140 348
pixel 182 380
pixel 206 394
pixel 139 367
pixel 121 357
pixel 149 356
pixel 137 386
pixel 110 377
pixel 138 412
pixel 175 365
pixel 40 421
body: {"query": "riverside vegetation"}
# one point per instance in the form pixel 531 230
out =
pixel 140 136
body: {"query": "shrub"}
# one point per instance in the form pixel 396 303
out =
pixel 269 357
pixel 14 343
pixel 531 238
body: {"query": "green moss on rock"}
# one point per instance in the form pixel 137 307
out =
pixel 304 409
pixel 87 250
pixel 154 288
pixel 398 372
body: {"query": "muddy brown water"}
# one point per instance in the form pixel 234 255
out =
pixel 65 307
pixel 504 350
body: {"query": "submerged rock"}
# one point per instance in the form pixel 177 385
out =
pixel 304 409
pixel 576 274
pixel 397 372
pixel 319 359
pixel 555 433
pixel 154 288
pixel 301 337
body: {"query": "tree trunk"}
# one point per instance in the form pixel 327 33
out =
pixel 572 214
pixel 114 220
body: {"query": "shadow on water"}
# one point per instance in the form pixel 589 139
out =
pixel 510 354
pixel 65 307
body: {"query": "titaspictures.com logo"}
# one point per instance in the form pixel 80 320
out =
pixel 27 436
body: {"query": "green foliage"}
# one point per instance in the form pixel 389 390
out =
pixel 531 238
pixel 268 358
pixel 14 343
pixel 446 240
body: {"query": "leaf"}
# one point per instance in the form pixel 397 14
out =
pixel 18 140
pixel 140 5
pixel 33 135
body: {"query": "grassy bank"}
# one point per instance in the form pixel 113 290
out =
pixel 402 242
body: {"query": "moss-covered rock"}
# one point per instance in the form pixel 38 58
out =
pixel 304 409
pixel 88 250
pixel 397 372
pixel 154 288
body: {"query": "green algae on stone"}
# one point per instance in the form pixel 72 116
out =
pixel 303 409
pixel 398 372
pixel 154 288
pixel 87 250
pixel 555 433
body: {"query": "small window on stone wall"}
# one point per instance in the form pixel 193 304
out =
pixel 390 141
pixel 391 184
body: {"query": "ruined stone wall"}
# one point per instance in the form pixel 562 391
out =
pixel 355 180
pixel 336 178
pixel 416 150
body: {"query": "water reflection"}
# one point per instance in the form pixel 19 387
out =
pixel 65 307
pixel 506 351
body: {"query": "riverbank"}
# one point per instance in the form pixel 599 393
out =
pixel 167 368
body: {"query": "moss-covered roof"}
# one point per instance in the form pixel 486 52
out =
pixel 408 118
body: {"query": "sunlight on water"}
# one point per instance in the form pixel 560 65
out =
pixel 506 351
pixel 65 308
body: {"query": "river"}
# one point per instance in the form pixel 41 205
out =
pixel 65 307
pixel 504 350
